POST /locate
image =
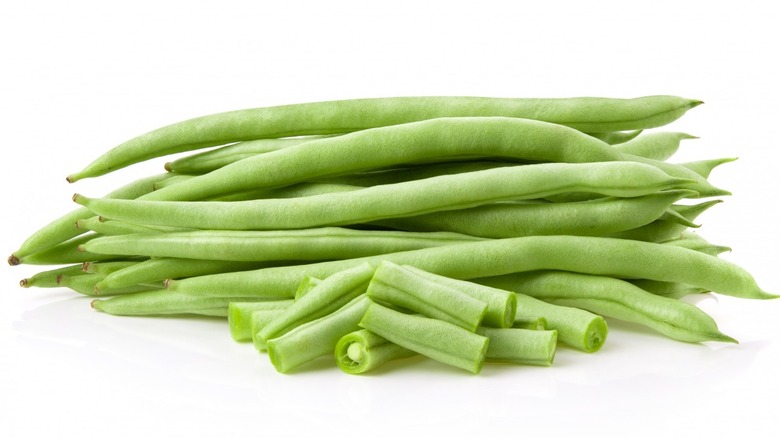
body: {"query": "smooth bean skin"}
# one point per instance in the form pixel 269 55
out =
pixel 705 167
pixel 433 140
pixel 65 253
pixel 615 298
pixel 85 285
pixel 667 289
pixel 528 347
pixel 620 258
pixel 62 229
pixel 334 117
pixel 49 278
pixel 159 269
pixel 617 137
pixel 258 246
pixel 208 161
pixel 164 302
pixel 107 268
pixel 655 145
pixel 362 351
pixel 439 340
pixel 316 338
pixel 663 230
pixel 393 284
pixel 240 316
pixel 449 192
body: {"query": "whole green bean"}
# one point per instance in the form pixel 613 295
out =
pixel 586 114
pixel 240 316
pixel 85 285
pixel 174 179
pixel 667 289
pixel 439 340
pixel 316 338
pixel 49 278
pixel 615 298
pixel 664 230
pixel 107 268
pixel 695 242
pixel 65 253
pixel 362 351
pixel 655 145
pixel 589 255
pixel 413 172
pixel 334 291
pixel 257 246
pixel 164 302
pixel 394 200
pixel 529 347
pixel 705 167
pixel 62 229
pixel 395 285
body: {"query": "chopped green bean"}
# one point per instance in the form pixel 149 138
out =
pixel 362 351
pixel 530 347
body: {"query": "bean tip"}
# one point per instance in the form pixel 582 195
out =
pixel 168 167
pixel 95 304
pixel 79 199
pixel 695 102
pixel 72 178
pixel 60 278
pixel 13 260
pixel 81 248
pixel 25 282
pixel 85 267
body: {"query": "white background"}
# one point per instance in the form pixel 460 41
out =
pixel 79 77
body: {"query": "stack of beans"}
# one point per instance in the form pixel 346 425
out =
pixel 462 229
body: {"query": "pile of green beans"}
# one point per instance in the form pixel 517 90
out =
pixel 467 230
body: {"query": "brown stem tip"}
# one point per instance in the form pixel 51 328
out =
pixel 24 282
pixel 13 260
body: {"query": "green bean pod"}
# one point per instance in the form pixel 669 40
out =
pixel 655 145
pixel 163 302
pixel 334 291
pixel 663 230
pixel 620 258
pixel 395 285
pixel 528 347
pixel 258 246
pixel 439 340
pixel 667 289
pixel 394 200
pixel 362 351
pixel 174 179
pixel 316 338
pixel 65 253
pixel 240 316
pixel 587 114
pixel 695 242
pixel 85 285
pixel 62 229
pixel 615 298
pixel 48 278
pixel 616 137
pixel 107 268
pixel 705 167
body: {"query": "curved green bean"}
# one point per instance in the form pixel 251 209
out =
pixel 334 117
pixel 394 200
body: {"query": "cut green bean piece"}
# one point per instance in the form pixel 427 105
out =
pixel 257 246
pixel 527 322
pixel 49 278
pixel 398 286
pixel 695 242
pixel 617 299
pixel 240 316
pixel 529 347
pixel 259 319
pixel 655 145
pixel 587 114
pixel 394 200
pixel 439 340
pixel 362 351
pixel 334 292
pixel 316 338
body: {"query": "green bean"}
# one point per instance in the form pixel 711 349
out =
pixel 159 269
pixel 334 292
pixel 362 351
pixel 501 305
pixel 698 183
pixel 617 299
pixel 529 347
pixel 240 316
pixel 335 117
pixel 116 228
pixel 530 323
pixel 257 246
pixel 663 230
pixel 597 217
pixel 62 229
pixel 107 268
pixel 49 278
pixel 576 328
pixel 439 340
pixel 163 302
pixel 616 137
pixel 316 338
pixel 174 179
pixel 395 285
pixel 208 161
pixel 695 242
pixel 426 141
pixel 85 285
pixel 705 167
pixel 65 253
pixel 589 255
pixel 672 215
pixel 394 200
pixel 259 320
pixel 412 173
pixel 667 289
pixel 655 145
pixel 306 286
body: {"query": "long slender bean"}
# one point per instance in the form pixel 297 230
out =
pixel 164 302
pixel 107 268
pixel 394 200
pixel 65 253
pixel 85 285
pixel 49 278
pixel 668 289
pixel 362 351
pixel 586 114
pixel 655 145
pixel 257 246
